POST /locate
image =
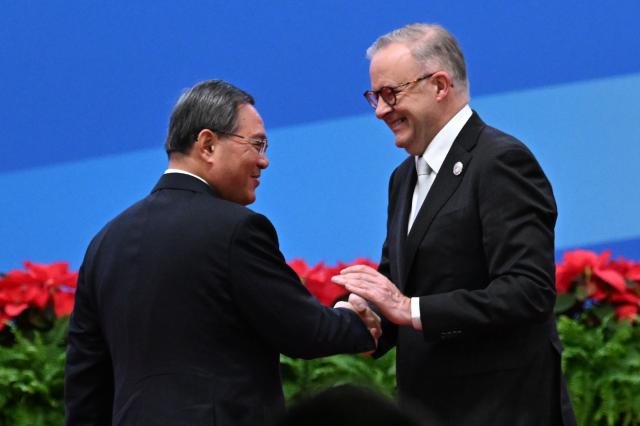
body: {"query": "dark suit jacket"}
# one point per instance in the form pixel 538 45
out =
pixel 480 256
pixel 184 303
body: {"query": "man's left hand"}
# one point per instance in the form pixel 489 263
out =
pixel 376 288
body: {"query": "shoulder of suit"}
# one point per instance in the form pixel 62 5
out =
pixel 495 141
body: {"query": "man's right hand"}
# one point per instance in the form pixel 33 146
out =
pixel 370 319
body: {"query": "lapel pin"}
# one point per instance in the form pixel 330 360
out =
pixel 457 168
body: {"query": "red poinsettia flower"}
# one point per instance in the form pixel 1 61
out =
pixel 14 309
pixel 629 269
pixel 601 279
pixel 610 277
pixel 633 273
pixel 17 295
pixel 53 274
pixel 626 297
pixel 627 312
pixel 37 286
pixel 318 281
pixel 63 303
pixel 574 264
pixel 300 267
pixel 596 290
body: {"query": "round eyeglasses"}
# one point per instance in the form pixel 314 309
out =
pixel 388 93
pixel 260 145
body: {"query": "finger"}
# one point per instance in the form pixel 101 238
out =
pixel 361 291
pixel 376 317
pixel 358 268
pixel 357 280
pixel 343 304
pixel 367 293
pixel 374 280
pixel 375 333
pixel 358 303
pixel 337 279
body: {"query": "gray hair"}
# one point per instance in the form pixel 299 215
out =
pixel 211 105
pixel 429 44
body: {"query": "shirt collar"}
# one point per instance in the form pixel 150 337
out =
pixel 184 172
pixel 441 144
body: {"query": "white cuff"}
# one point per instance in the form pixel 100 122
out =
pixel 415 313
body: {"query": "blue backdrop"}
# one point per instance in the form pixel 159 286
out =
pixel 87 88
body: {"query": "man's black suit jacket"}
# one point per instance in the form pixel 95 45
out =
pixel 184 303
pixel 480 256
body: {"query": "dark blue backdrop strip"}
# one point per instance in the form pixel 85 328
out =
pixel 87 78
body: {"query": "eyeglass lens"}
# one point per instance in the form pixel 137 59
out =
pixel 387 94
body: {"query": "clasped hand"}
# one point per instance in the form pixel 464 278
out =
pixel 370 319
pixel 371 285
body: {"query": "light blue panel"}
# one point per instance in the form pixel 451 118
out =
pixel 587 138
pixel 584 135
pixel 326 187
pixel 325 191
pixel 51 213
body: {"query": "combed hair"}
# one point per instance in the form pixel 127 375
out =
pixel 211 104
pixel 429 44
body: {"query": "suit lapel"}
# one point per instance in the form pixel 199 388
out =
pixel 442 189
pixel 407 181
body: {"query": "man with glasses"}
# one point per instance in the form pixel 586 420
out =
pixel 184 301
pixel 466 279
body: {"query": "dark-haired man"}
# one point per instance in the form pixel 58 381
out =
pixel 184 301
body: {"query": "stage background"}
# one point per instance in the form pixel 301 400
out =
pixel 87 88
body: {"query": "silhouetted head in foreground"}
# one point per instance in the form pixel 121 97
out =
pixel 347 405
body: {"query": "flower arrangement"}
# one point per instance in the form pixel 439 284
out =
pixel 594 284
pixel 317 278
pixel 597 310
pixel 34 307
pixel 37 294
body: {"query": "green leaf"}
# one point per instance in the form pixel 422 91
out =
pixel 564 302
pixel 32 376
pixel 602 365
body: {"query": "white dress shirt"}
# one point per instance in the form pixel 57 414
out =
pixel 184 172
pixel 434 155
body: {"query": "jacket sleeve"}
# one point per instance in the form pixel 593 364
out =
pixel 271 297
pixel 88 389
pixel 389 336
pixel 517 214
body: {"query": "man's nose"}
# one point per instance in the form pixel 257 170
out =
pixel 382 108
pixel 263 161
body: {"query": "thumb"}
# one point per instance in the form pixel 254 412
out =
pixel 358 303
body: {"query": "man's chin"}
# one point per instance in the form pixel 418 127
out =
pixel 403 144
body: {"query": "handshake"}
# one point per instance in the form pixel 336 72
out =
pixel 368 285
pixel 370 319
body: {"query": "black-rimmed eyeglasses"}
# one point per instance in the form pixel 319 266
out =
pixel 388 93
pixel 259 144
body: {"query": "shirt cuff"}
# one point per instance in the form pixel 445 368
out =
pixel 415 313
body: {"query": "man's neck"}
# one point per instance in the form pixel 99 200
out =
pixel 186 165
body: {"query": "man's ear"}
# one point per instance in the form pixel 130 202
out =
pixel 205 143
pixel 443 83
